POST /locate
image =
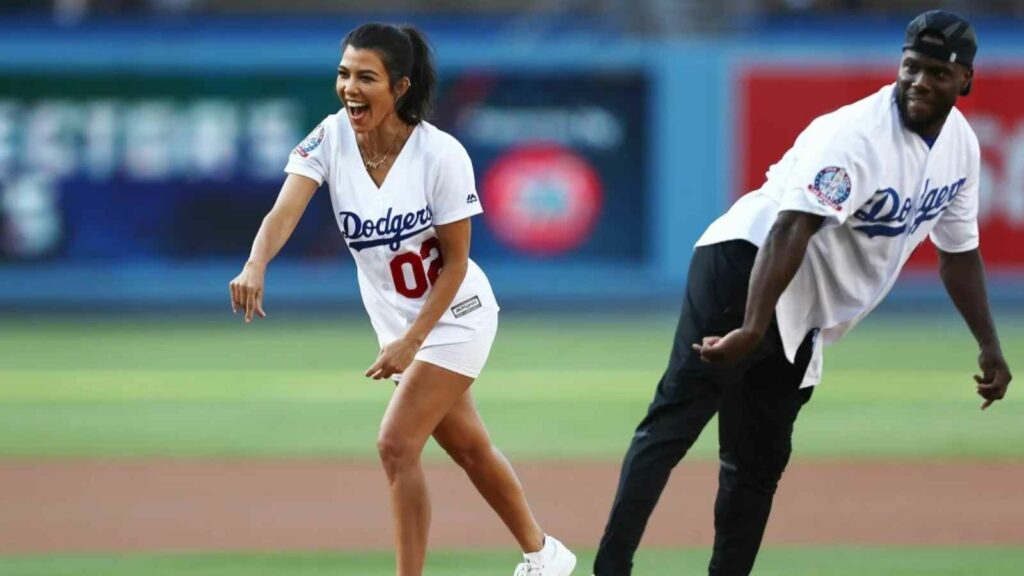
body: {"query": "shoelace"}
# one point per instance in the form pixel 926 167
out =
pixel 528 569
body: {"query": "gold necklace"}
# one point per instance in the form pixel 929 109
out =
pixel 373 165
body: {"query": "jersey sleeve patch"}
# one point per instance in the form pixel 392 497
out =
pixel 831 187
pixel 311 142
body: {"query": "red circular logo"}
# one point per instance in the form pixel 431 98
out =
pixel 542 199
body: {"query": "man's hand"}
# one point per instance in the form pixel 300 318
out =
pixel 730 348
pixel 995 376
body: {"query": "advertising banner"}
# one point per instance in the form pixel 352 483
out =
pixel 125 168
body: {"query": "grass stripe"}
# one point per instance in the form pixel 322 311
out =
pixel 772 562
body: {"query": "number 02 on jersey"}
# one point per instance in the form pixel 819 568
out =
pixel 412 273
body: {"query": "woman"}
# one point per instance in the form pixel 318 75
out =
pixel 403 192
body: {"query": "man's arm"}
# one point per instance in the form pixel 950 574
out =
pixel 963 275
pixel 774 268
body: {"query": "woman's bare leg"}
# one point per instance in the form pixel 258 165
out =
pixel 425 395
pixel 463 435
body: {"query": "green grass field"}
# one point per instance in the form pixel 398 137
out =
pixel 83 387
pixel 772 562
pixel 898 387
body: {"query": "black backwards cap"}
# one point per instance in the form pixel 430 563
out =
pixel 944 36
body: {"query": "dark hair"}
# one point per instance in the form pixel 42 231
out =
pixel 405 53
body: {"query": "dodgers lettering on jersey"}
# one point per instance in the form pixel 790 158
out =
pixel 887 214
pixel 390 230
pixel 881 190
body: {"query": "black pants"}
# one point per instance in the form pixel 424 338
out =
pixel 757 401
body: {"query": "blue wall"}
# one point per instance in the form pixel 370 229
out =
pixel 690 166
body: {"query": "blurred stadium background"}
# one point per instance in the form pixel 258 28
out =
pixel 141 142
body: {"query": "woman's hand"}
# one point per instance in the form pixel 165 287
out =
pixel 394 358
pixel 277 227
pixel 247 291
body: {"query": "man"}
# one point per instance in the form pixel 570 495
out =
pixel 797 264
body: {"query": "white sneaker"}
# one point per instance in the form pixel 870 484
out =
pixel 553 560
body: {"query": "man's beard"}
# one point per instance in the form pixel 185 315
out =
pixel 919 124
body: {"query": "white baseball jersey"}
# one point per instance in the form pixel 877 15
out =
pixel 390 230
pixel 881 189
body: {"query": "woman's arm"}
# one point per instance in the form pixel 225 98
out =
pixel 278 225
pixel 398 355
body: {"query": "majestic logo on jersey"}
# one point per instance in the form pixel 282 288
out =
pixel 831 187
pixel 886 214
pixel 312 142
pixel 390 230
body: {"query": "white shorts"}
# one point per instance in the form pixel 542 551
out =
pixel 468 357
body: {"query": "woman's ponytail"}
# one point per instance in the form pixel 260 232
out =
pixel 418 101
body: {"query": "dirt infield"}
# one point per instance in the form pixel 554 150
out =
pixel 303 505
